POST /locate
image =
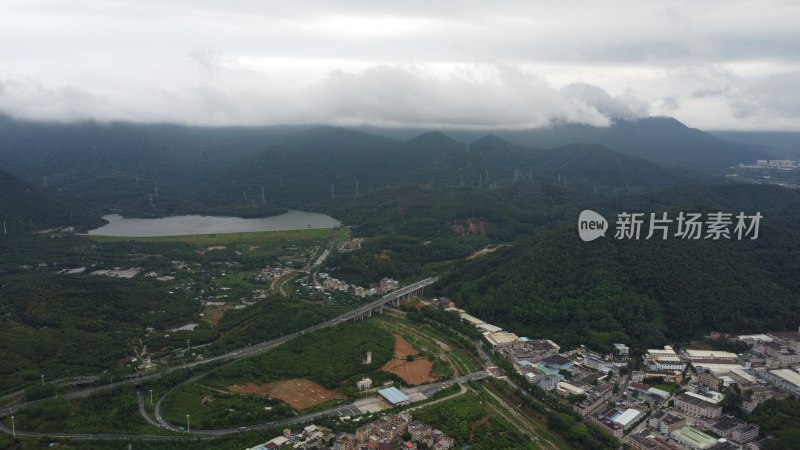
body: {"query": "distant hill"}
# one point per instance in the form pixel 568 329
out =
pixel 308 166
pixel 222 170
pixel 780 144
pixel 662 140
pixel 25 207
pixel 590 166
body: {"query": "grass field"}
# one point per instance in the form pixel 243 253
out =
pixel 667 387
pixel 225 238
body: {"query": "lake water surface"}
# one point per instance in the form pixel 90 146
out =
pixel 182 225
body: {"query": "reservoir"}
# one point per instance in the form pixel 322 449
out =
pixel 183 225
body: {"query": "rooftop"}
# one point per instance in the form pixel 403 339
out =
pixel 788 374
pixel 393 395
pixel 556 360
pixel 709 354
pixel 500 337
pixel 696 401
pixel 755 337
pixel 627 417
pixel 787 335
pixel 471 319
pixel 693 437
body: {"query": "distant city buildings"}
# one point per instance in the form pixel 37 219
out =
pixel 782 172
pixel 310 437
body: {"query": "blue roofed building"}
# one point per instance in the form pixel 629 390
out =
pixel 394 396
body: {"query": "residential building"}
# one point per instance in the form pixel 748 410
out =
pixel 596 364
pixel 697 407
pixel 345 442
pixel 785 379
pixel 596 400
pixel 389 427
pixel 654 421
pixel 565 389
pixel 663 360
pixel 546 379
pixel 758 396
pixel 621 350
pixel 756 340
pixel 742 377
pixel 637 375
pixel 388 284
pixel 421 432
pixel 735 429
pixel 611 427
pixel 646 441
pixel 708 379
pixel 364 384
pixel 781 352
pixel 671 423
pixel 694 355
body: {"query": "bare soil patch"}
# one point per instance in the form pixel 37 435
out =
pixel 488 249
pixel 213 313
pixel 297 393
pixel 402 348
pixel 412 372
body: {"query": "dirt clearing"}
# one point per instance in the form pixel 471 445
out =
pixel 297 393
pixel 402 348
pixel 413 372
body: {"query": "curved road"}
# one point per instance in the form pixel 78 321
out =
pixel 236 354
pixel 232 356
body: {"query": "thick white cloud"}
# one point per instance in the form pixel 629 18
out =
pixel 714 64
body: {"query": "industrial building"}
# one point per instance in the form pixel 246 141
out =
pixel 394 396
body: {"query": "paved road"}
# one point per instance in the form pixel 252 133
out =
pixel 143 409
pixel 342 410
pixel 237 354
pixel 99 437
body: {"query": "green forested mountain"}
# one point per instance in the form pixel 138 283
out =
pixel 646 292
pixel 25 206
pixel 222 170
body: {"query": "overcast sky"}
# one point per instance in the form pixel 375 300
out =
pixel 724 64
